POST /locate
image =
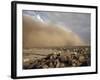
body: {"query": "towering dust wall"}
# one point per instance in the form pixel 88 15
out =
pixel 38 34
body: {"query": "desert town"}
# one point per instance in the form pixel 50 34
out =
pixel 54 45
pixel 39 58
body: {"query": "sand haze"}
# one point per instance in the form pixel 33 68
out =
pixel 38 34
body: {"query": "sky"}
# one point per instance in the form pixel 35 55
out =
pixel 79 23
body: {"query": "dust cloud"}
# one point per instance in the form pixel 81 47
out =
pixel 38 34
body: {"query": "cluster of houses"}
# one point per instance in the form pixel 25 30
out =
pixel 71 57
